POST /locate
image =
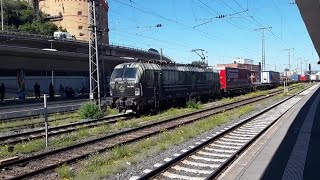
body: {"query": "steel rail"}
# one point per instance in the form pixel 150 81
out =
pixel 26 136
pixel 57 130
pixel 146 131
pixel 216 172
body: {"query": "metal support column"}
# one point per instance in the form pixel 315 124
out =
pixel 289 54
pixel 95 48
pixel 263 56
pixel 2 24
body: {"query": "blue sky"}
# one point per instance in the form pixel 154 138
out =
pixel 133 23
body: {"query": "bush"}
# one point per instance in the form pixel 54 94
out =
pixel 65 172
pixel 192 104
pixel 301 87
pixel 90 110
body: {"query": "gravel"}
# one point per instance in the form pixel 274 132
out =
pixel 137 169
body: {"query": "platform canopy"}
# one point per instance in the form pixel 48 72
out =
pixel 310 12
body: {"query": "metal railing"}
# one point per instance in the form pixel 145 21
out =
pixel 112 45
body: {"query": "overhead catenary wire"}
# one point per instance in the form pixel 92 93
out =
pixel 229 23
pixel 206 34
pixel 217 13
pixel 234 24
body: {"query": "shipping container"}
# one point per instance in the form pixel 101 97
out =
pixel 270 77
pixel 235 79
pixel 304 78
pixel 295 77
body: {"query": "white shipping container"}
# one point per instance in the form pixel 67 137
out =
pixel 270 77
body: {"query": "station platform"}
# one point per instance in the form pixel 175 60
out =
pixel 14 108
pixel 289 149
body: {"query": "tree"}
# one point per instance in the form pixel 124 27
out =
pixel 17 13
pixel 20 16
pixel 39 28
pixel 62 29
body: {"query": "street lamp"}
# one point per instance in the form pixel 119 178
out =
pixel 285 82
pixel 2 25
pixel 51 43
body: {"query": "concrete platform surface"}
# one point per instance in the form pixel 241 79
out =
pixel 290 149
pixel 36 108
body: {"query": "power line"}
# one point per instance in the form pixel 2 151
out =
pixel 230 23
pixel 217 13
pixel 261 25
pixel 187 26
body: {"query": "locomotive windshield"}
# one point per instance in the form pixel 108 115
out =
pixel 124 73
pixel 130 73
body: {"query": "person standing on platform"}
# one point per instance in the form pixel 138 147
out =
pixel 37 90
pixel 2 91
pixel 51 91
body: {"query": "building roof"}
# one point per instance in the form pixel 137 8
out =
pixel 310 12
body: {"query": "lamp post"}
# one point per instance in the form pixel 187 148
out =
pixel 2 25
pixel 285 82
pixel 50 43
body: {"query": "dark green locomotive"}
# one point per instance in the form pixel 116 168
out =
pixel 144 85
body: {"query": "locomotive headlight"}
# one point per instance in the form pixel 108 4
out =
pixel 137 92
pixel 110 93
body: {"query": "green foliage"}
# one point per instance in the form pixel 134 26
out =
pixel 20 16
pixel 111 111
pixel 194 105
pixel 65 172
pixel 301 87
pixel 118 159
pixel 17 13
pixel 45 28
pixel 89 110
pixel 62 29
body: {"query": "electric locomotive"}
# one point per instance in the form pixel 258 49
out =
pixel 139 86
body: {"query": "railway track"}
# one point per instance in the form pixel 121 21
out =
pixel 36 124
pixel 209 158
pixel 35 164
pixel 58 130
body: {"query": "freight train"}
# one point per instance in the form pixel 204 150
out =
pixel 140 86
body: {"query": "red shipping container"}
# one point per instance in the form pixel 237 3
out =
pixel 304 78
pixel 234 78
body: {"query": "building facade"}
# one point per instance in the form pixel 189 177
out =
pixel 72 15
pixel 243 61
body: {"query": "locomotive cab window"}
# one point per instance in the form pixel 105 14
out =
pixel 124 73
pixel 117 73
pixel 130 73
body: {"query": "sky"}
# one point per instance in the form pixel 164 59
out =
pixel 193 24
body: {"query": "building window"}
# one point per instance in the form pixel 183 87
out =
pixel 79 12
pixel 80 27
